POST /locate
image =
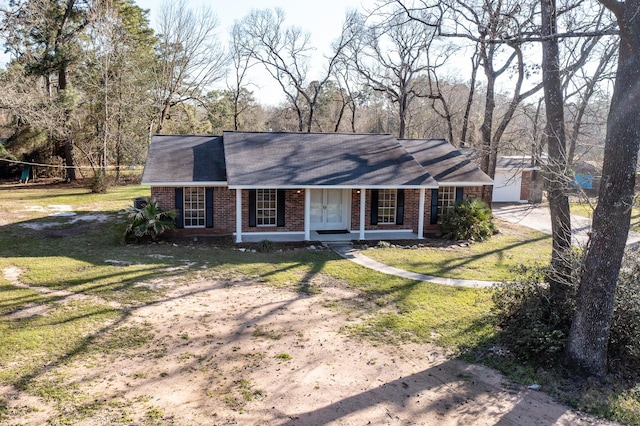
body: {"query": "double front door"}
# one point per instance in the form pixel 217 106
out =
pixel 330 209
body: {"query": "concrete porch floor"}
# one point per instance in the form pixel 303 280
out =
pixel 331 238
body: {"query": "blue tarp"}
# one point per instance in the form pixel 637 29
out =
pixel 583 181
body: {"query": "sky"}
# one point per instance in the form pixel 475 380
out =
pixel 322 18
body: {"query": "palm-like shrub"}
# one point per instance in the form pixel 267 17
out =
pixel 148 222
pixel 470 219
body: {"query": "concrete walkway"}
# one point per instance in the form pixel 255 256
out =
pixel 348 252
pixel 536 216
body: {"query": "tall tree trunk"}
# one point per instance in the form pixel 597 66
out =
pixel 588 338
pixel 67 141
pixel 560 277
pixel 475 63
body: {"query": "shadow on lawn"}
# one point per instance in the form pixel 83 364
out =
pixel 452 264
pixel 98 242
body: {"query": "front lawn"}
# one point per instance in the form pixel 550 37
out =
pixel 491 260
pixel 69 288
pixel 586 210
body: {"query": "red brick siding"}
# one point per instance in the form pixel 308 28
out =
pixel 473 192
pixel 165 196
pixel 224 210
pixel 525 185
pixel 293 216
pixel 411 211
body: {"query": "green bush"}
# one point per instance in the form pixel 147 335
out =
pixel 534 327
pixel 470 219
pixel 624 339
pixel 148 222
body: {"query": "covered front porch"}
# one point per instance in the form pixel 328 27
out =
pixel 331 238
pixel 328 213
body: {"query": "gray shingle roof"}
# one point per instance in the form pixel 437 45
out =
pixel 515 162
pixel 320 159
pixel 175 159
pixel 444 162
pixel 266 159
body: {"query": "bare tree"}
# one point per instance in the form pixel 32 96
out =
pixel 390 54
pixel 190 58
pixel 285 53
pixel 475 65
pixel 241 64
pixel 560 277
pixel 581 87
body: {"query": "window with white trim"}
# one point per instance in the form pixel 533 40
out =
pixel 387 203
pixel 194 207
pixel 266 207
pixel 446 200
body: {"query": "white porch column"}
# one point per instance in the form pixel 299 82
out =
pixel 307 214
pixel 363 201
pixel 238 215
pixel 421 214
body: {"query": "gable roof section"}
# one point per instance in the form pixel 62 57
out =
pixel 176 160
pixel 271 159
pixel 445 163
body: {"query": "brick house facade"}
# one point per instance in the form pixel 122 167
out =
pixel 306 183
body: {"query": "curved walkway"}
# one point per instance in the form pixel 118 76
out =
pixel 348 252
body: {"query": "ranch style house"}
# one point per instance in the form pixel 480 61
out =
pixel 309 186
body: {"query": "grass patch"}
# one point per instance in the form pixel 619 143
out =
pixel 491 260
pixel 581 209
pixel 55 338
pixel 586 210
pixel 283 356
pixel 72 259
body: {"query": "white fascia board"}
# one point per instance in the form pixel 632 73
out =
pixel 181 184
pixel 332 186
pixel 518 169
pixel 384 231
pixel 460 184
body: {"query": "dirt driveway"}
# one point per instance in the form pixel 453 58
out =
pixel 237 352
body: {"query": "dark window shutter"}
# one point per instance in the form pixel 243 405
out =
pixel 280 207
pixel 400 207
pixel 208 203
pixel 179 203
pixel 252 207
pixel 434 206
pixel 459 194
pixel 374 206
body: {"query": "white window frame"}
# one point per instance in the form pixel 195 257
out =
pixel 194 209
pixel 446 200
pixel 266 207
pixel 387 206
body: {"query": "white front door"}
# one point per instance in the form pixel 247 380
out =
pixel 330 209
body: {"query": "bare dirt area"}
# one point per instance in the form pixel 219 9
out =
pixel 238 352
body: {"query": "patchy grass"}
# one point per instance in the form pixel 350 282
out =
pixel 491 260
pixel 581 209
pixel 586 210
pixel 91 282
